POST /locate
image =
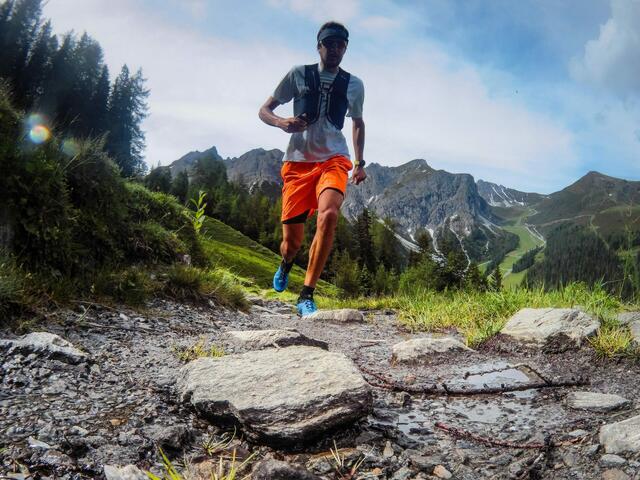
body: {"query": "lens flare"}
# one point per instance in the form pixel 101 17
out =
pixel 39 134
pixel 70 147
pixel 38 131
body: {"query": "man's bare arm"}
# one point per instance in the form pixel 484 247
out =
pixel 358 146
pixel 289 125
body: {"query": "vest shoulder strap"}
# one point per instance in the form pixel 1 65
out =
pixel 312 77
pixel 341 83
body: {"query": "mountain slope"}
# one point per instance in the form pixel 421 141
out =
pixel 501 196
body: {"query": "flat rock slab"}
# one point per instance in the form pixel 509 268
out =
pixel 344 315
pixel 259 339
pixel 542 325
pixel 47 345
pixel 284 396
pixel 421 348
pixel 621 437
pixel 625 318
pixel 596 402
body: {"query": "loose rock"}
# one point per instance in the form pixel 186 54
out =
pixel 128 472
pixel 610 460
pixel 622 436
pixel 626 318
pixel 259 339
pixel 345 315
pixel 419 348
pixel 45 344
pixel 277 470
pixel 596 402
pixel 542 325
pixel 284 395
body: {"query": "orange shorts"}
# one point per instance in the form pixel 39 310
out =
pixel 305 181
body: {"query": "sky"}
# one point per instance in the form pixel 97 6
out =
pixel 530 94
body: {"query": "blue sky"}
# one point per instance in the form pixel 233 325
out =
pixel 529 94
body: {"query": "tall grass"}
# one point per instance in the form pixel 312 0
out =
pixel 480 315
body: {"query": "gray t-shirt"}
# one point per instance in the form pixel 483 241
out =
pixel 321 140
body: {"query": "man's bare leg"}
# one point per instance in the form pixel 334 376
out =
pixel 292 237
pixel 329 204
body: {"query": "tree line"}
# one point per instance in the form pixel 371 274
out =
pixel 368 257
pixel 66 80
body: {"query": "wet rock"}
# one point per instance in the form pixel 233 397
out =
pixel 420 348
pixel 615 474
pixel 128 472
pixel 345 315
pixel 626 318
pixel 622 436
pixel 278 470
pixel 542 325
pixel 611 460
pixel 46 345
pixel 441 472
pixel 286 396
pixel 596 402
pixel 259 339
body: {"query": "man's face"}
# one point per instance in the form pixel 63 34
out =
pixel 331 51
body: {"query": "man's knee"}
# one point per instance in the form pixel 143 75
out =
pixel 328 216
pixel 291 245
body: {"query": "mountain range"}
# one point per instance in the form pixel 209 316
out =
pixel 481 214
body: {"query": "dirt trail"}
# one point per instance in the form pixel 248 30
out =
pixel 117 410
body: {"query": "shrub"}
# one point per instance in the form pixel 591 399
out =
pixel 132 285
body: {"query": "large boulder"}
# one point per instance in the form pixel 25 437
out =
pixel 47 345
pixel 596 402
pixel 546 325
pixel 284 396
pixel 259 339
pixel 621 437
pixel 418 349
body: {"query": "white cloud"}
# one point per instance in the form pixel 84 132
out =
pixel 206 90
pixel 612 60
pixel 378 23
pixel 321 10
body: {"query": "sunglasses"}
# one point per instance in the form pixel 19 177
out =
pixel 332 43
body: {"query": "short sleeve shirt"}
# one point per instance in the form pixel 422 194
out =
pixel 321 140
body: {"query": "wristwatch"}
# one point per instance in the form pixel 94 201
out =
pixel 361 163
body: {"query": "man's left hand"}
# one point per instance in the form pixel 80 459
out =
pixel 358 175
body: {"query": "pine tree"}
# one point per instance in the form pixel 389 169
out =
pixel 366 254
pixel 100 101
pixel 127 109
pixel 38 68
pixel 159 179
pixel 496 279
pixel 180 186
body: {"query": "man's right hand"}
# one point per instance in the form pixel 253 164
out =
pixel 293 124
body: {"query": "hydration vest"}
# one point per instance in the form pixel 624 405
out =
pixel 337 102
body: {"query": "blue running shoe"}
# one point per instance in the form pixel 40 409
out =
pixel 280 280
pixel 306 306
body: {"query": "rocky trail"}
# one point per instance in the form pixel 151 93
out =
pixel 105 388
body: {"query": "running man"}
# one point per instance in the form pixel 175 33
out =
pixel 317 162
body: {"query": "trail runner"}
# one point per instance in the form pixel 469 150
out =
pixel 316 163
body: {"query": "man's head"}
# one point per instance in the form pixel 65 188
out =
pixel 333 38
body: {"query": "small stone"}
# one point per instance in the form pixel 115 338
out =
pixel 615 474
pixel 76 430
pixel 124 317
pixel 405 473
pixel 425 463
pixel 275 470
pixel 424 348
pixel 610 460
pixel 128 472
pixel 622 436
pixel 33 443
pixel 591 450
pixel 173 437
pixel 47 345
pixel 259 339
pixel 345 315
pixel 388 450
pixel 596 402
pixel 442 472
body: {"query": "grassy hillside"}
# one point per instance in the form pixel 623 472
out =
pixel 229 248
